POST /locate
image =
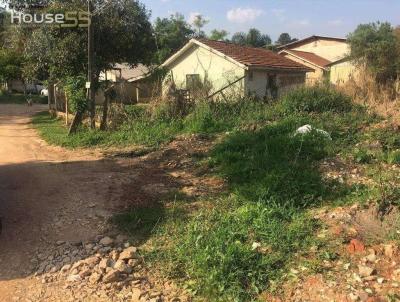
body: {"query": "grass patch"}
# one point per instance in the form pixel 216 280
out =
pixel 232 252
pixel 232 247
pixel 236 246
pixel 6 98
pixel 54 132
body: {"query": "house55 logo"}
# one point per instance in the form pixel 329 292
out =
pixel 64 20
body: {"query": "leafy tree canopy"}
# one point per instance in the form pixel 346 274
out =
pixel 219 35
pixel 122 34
pixel 252 38
pixel 171 34
pixel 284 38
pixel 239 38
pixel 199 22
pixel 375 46
pixel 10 65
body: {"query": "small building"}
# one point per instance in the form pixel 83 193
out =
pixel 319 65
pixel 317 52
pixel 126 78
pixel 342 71
pixel 225 69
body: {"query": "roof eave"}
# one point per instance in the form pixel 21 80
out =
pixel 220 54
pixel 172 58
pixel 310 38
pixel 192 42
pixel 301 58
pixel 278 68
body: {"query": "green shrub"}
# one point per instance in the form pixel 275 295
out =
pixel 314 100
pixel 76 93
pixel 362 156
pixel 393 157
pixel 388 138
pixel 203 119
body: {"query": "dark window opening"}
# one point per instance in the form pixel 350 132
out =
pixel 193 82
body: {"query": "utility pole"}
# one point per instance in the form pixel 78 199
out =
pixel 91 89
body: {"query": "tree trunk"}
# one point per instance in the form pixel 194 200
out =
pixel 103 125
pixel 92 105
pixel 50 97
pixel 75 123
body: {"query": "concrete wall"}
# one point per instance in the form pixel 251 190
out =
pixel 342 72
pixel 285 81
pixel 313 77
pixel 330 50
pixel 217 70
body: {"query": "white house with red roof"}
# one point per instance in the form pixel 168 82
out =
pixel 227 68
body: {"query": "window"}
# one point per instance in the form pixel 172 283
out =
pixel 251 76
pixel 193 82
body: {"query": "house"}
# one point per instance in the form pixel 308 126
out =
pixel 317 53
pixel 129 82
pixel 225 69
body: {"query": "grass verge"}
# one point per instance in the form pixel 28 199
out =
pixel 238 243
pixel 21 98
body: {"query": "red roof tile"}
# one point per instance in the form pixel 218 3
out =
pixel 253 57
pixel 309 39
pixel 310 57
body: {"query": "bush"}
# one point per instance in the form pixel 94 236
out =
pixel 314 100
pixel 362 156
pixel 393 157
pixel 76 93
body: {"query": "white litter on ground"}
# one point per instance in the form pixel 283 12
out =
pixel 308 129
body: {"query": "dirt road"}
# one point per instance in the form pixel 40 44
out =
pixel 47 194
pixel 55 204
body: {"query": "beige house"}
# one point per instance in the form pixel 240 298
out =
pixel 224 69
pixel 127 82
pixel 325 55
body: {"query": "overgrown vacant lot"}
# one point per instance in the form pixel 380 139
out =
pixel 243 242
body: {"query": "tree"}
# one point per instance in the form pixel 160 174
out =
pixel 219 35
pixel 239 38
pixel 199 22
pixel 3 19
pixel 373 45
pixel 170 34
pixel 252 38
pixel 285 38
pixel 10 65
pixel 122 34
pixel 397 35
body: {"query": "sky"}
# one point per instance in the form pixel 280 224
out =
pixel 300 18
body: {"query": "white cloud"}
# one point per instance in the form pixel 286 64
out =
pixel 279 13
pixel 337 22
pixel 243 15
pixel 165 1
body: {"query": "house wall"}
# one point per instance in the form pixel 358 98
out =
pixel 342 72
pixel 330 50
pixel 216 69
pixel 312 77
pixel 285 80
